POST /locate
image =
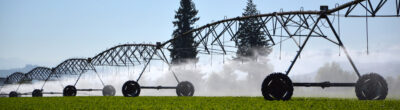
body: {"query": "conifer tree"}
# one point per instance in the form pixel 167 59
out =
pixel 183 46
pixel 251 40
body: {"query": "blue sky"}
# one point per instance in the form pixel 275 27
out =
pixel 46 32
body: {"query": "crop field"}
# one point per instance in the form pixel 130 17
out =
pixel 145 102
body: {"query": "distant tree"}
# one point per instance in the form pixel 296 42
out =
pixel 183 47
pixel 251 40
pixel 333 72
pixel 398 78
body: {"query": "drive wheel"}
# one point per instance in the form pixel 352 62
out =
pixel 371 86
pixel 108 90
pixel 131 89
pixel 13 94
pixel 69 91
pixel 185 88
pixel 277 86
pixel 37 93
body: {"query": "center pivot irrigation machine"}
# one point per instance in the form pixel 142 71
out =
pixel 277 85
pixel 79 66
pixel 139 54
pixel 19 78
pixel 210 39
pixel 122 55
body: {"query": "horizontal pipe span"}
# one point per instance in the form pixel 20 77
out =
pixel 52 93
pixel 89 89
pixel 30 93
pixel 43 93
pixel 325 84
pixel 158 87
pixel 346 5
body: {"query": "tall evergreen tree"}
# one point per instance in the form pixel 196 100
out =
pixel 251 40
pixel 183 47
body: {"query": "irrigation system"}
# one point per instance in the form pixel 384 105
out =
pixel 297 26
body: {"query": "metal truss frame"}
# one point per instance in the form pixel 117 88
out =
pixel 291 24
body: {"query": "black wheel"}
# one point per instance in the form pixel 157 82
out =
pixel 371 87
pixel 277 86
pixel 13 94
pixel 37 93
pixel 131 89
pixel 108 90
pixel 185 88
pixel 70 90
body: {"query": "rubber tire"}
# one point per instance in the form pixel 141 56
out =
pixel 185 88
pixel 277 86
pixel 37 93
pixel 108 90
pixel 13 94
pixel 69 90
pixel 131 89
pixel 371 86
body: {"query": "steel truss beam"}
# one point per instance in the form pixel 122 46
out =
pixel 293 24
pixel 131 55
pixel 74 66
pixel 38 73
pixel 125 55
pixel 14 78
pixel 372 8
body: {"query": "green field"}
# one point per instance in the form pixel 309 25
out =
pixel 145 102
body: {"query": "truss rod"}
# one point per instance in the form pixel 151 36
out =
pixel 343 47
pixel 144 68
pixel 302 47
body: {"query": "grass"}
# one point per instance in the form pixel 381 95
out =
pixel 145 102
